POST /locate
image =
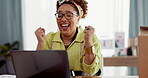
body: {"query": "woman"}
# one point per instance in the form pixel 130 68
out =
pixel 82 45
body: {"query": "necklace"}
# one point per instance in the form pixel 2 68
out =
pixel 67 45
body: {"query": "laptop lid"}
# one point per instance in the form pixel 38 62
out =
pixel 41 64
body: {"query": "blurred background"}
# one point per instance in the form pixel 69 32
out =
pixel 116 23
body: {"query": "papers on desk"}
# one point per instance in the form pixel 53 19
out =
pixel 119 44
pixel 7 76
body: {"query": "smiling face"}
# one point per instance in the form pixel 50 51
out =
pixel 67 26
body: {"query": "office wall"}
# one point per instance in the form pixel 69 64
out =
pixel 37 13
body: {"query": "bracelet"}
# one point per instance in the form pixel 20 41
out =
pixel 88 50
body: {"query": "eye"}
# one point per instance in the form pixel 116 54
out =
pixel 69 14
pixel 60 15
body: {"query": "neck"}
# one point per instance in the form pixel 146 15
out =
pixel 67 39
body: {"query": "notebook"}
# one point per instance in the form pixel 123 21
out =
pixel 41 64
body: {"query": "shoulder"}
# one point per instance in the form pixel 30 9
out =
pixel 80 29
pixel 51 34
pixel 48 40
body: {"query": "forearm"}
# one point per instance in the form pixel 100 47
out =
pixel 39 46
pixel 91 61
pixel 89 58
pixel 93 68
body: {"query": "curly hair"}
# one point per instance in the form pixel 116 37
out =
pixel 82 3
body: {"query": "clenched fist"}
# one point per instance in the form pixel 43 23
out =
pixel 40 33
pixel 88 34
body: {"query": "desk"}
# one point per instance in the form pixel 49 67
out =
pixel 121 61
pixel 105 77
pixel 13 76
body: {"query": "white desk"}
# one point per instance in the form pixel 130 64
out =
pixel 13 76
pixel 7 76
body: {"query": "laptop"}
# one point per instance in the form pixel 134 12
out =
pixel 41 64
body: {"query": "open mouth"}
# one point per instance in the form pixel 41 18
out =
pixel 65 26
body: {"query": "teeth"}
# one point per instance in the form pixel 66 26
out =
pixel 65 24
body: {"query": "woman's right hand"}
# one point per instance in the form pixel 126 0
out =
pixel 40 33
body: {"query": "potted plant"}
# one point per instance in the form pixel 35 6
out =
pixel 5 54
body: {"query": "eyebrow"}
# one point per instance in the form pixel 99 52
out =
pixel 59 11
pixel 66 11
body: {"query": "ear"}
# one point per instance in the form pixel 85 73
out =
pixel 78 19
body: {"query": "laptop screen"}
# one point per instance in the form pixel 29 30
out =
pixel 41 64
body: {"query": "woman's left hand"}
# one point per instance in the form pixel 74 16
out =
pixel 88 34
